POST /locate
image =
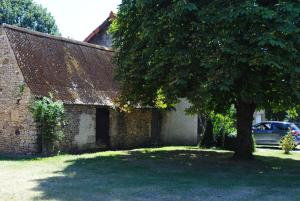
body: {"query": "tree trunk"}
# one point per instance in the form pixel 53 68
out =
pixel 201 128
pixel 244 143
pixel 208 139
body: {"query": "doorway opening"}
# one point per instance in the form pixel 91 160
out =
pixel 102 126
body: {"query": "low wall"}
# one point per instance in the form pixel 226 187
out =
pixel 130 130
pixel 126 130
pixel 80 130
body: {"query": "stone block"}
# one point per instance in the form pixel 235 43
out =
pixel 14 115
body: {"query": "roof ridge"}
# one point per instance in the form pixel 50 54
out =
pixel 60 38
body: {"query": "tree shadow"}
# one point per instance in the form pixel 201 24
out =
pixel 191 174
pixel 15 157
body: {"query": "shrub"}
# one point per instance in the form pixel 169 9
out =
pixel 223 125
pixel 49 115
pixel 287 142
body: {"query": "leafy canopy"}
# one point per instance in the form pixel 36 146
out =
pixel 213 52
pixel 25 13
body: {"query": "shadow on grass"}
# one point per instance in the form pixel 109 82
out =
pixel 14 157
pixel 189 174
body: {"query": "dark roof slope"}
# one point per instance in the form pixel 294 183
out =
pixel 72 71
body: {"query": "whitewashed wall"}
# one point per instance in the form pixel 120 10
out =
pixel 259 116
pixel 178 128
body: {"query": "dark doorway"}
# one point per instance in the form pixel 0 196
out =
pixel 102 126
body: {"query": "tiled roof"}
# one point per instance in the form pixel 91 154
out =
pixel 72 71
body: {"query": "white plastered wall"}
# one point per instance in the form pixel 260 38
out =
pixel 178 128
pixel 87 131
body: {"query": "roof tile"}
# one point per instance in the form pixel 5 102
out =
pixel 74 72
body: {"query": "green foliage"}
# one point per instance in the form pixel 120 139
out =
pixel 218 128
pixel 27 14
pixel 287 142
pixel 49 115
pixel 292 114
pixel 160 100
pixel 275 115
pixel 21 88
pixel 224 124
pixel 214 53
pixel 288 115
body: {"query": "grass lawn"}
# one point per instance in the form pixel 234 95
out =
pixel 168 173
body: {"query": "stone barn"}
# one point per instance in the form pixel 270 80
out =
pixel 177 128
pixel 33 65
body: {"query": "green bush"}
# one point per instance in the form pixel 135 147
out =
pixel 49 115
pixel 287 142
pixel 223 126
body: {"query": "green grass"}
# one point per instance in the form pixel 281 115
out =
pixel 160 174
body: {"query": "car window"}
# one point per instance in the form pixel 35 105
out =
pixel 282 127
pixel 263 127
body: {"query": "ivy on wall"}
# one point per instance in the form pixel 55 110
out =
pixel 49 114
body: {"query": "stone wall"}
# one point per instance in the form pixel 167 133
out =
pixel 129 130
pixel 18 133
pixel 80 129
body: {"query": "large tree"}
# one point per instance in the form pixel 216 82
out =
pixel 216 53
pixel 27 14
